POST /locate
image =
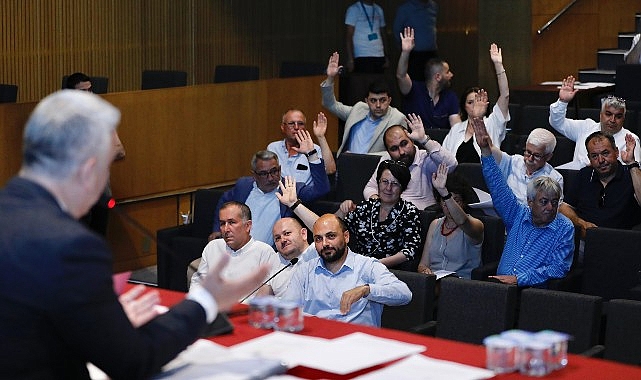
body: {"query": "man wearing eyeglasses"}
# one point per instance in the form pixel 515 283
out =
pixel 259 193
pixel 366 121
pixel 611 121
pixel 296 149
pixel 607 193
pixel 540 242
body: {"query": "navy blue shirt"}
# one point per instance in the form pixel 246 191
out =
pixel 437 115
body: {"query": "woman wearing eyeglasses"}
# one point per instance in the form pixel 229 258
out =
pixel 387 227
pixel 453 242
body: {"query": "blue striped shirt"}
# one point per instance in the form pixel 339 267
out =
pixel 533 254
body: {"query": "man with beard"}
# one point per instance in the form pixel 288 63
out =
pixel 246 254
pixel 606 193
pixel 612 117
pixel 258 192
pixel 432 100
pixel 366 121
pixel 540 242
pixel 341 284
pixel 422 163
pixel 291 242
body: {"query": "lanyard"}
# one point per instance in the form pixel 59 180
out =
pixel 371 25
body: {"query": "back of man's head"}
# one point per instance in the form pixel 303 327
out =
pixel 540 137
pixel 75 78
pixel 64 130
pixel 432 67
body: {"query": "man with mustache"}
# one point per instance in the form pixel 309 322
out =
pixel 341 284
pixel 421 162
pixel 606 193
pixel 611 121
pixel 540 242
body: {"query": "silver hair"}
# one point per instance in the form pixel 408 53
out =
pixel 542 137
pixel 613 101
pixel 65 129
pixel 546 185
pixel 263 155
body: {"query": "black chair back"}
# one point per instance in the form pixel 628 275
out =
pixel 8 93
pixel 352 173
pixel 235 73
pixel 152 79
pixel 622 332
pixel 420 309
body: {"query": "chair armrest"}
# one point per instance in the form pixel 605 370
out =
pixel 481 273
pixel 594 351
pixel 427 328
pixel 570 283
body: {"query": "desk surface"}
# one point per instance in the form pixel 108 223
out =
pixel 579 367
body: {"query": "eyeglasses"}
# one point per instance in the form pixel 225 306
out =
pixel 535 156
pixel 292 124
pixel 273 173
pixel 387 183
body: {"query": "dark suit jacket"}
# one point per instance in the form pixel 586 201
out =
pixel 318 187
pixel 58 309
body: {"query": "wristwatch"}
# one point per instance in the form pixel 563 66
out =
pixel 311 152
pixel 635 164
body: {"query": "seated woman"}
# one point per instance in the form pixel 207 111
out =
pixel 387 227
pixel 460 140
pixel 453 242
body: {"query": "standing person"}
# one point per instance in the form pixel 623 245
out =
pixel 58 309
pixel 611 120
pixel 431 99
pixel 365 38
pixel 460 140
pixel 366 121
pixel 419 15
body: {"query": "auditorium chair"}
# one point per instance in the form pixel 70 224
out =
pixel 622 332
pixel 8 93
pixel 153 79
pixel 419 310
pixel 235 73
pixel 178 246
pixel 292 69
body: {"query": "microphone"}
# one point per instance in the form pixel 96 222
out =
pixel 291 262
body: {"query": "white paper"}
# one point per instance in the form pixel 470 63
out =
pixel 422 367
pixel 442 273
pixel 341 356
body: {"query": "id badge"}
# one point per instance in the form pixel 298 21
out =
pixel 372 36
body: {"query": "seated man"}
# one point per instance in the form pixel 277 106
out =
pixel 612 117
pixel 606 193
pixel 341 284
pixel 293 162
pixel 246 254
pixel 540 242
pixel 366 121
pixel 258 191
pixel 422 163
pixel 432 100
pixel 291 242
pixel 519 170
pixel 58 308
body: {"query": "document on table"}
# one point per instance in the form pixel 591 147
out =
pixel 341 356
pixel 428 368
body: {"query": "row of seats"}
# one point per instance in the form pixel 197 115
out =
pixel 469 311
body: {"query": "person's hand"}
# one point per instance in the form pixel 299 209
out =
pixel 333 68
pixel 351 296
pixel 479 108
pixel 347 206
pixel 288 190
pixel 627 155
pixel 320 125
pixel 228 292
pixel 214 235
pixel 482 137
pixel 583 226
pixel 407 39
pixel 140 308
pixel 415 123
pixel 567 91
pixel 495 54
pixel 305 142
pixel 506 279
pixel 439 178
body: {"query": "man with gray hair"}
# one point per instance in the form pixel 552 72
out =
pixel 58 309
pixel 611 119
pixel 540 241
pixel 520 170
pixel 259 193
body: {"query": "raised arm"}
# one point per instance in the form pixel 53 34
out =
pixel 628 158
pixel 478 110
pixel 333 68
pixel 501 76
pixel 567 91
pixel 407 44
pixel 320 128
pixel 290 199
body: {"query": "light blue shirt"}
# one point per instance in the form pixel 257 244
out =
pixel 513 169
pixel 320 291
pixel 293 165
pixel 361 134
pixel 266 208
pixel 532 254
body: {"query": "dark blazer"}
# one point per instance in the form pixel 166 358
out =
pixel 318 187
pixel 58 309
